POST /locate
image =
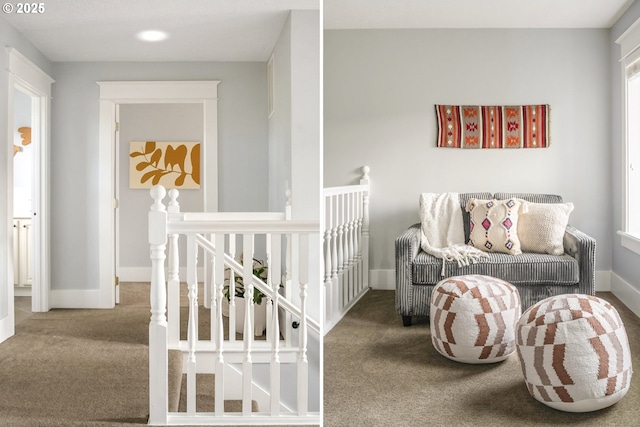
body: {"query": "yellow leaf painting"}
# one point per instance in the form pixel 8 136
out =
pixel 171 164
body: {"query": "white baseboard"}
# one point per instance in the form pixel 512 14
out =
pixel 76 298
pixel 382 279
pixel 625 292
pixel 603 281
pixel 22 291
pixel 386 280
pixel 143 274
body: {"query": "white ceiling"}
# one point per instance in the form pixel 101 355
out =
pixel 246 30
pixel 199 30
pixel 360 14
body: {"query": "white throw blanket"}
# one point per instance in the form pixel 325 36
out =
pixel 443 231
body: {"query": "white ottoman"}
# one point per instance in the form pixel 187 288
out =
pixel 473 318
pixel 574 353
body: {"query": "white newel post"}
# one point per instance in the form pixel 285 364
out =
pixel 158 400
pixel 365 226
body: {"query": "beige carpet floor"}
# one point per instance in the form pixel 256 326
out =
pixel 80 367
pixel 90 367
pixel 379 373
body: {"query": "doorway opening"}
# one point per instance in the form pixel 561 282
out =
pixel 113 95
pixel 24 165
pixel 29 105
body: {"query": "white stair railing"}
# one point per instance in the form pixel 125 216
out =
pixel 215 235
pixel 346 247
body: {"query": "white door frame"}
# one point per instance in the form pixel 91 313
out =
pixel 30 79
pixel 146 92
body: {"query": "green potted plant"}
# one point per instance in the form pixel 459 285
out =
pixel 260 270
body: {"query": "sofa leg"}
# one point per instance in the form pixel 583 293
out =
pixel 406 320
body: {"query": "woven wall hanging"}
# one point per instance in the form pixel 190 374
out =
pixel 473 126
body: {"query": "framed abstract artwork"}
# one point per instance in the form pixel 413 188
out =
pixel 171 164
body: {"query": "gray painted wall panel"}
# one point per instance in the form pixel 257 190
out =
pixel 242 147
pixel 380 87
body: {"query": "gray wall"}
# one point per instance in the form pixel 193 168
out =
pixel 626 263
pixel 162 123
pixel 280 122
pixel 242 145
pixel 380 87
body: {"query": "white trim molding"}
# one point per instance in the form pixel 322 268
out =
pixel 382 279
pixel 143 274
pixel 113 93
pixel 75 298
pixel 625 292
pixel 629 40
pixel 29 78
pixel 629 241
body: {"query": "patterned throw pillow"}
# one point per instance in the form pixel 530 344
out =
pixel 494 225
pixel 541 229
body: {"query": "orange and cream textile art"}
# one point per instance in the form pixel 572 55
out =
pixel 171 164
pixel 574 353
pixel 472 126
pixel 473 318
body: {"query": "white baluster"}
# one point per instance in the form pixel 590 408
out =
pixel 328 205
pixel 303 363
pixel 232 290
pixel 247 336
pixel 173 284
pixel 192 327
pixel 358 237
pixel 274 270
pixel 158 371
pixel 219 334
pixel 210 279
pixel 365 227
pixel 340 246
pixel 335 289
pixel 351 210
pixel 268 300
pixel 345 240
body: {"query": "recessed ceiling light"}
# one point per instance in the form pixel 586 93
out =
pixel 152 35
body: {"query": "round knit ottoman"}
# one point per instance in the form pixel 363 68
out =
pixel 473 318
pixel 574 353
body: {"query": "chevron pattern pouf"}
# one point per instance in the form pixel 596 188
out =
pixel 574 353
pixel 473 318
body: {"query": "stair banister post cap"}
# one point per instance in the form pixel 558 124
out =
pixel 157 194
pixel 174 206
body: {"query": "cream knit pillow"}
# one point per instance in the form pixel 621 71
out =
pixel 494 225
pixel 541 228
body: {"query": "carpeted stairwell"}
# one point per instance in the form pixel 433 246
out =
pixel 87 367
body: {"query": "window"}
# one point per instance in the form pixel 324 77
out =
pixel 630 59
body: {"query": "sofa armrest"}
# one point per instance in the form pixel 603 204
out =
pixel 583 248
pixel 407 248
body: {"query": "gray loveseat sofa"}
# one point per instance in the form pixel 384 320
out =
pixel 536 276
